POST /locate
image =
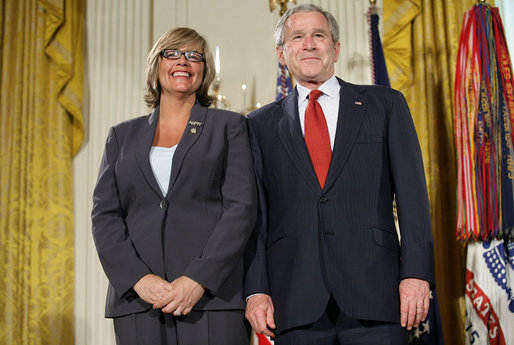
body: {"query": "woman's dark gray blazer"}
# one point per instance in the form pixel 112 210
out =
pixel 198 230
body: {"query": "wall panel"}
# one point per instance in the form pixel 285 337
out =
pixel 118 39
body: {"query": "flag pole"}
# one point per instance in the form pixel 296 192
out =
pixel 284 78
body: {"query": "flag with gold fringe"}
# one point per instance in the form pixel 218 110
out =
pixel 484 122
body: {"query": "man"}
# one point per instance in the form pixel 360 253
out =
pixel 324 265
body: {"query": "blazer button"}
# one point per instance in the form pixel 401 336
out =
pixel 323 199
pixel 163 204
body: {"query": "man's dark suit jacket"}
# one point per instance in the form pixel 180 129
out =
pixel 309 242
pixel 198 230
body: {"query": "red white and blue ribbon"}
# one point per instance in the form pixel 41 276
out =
pixel 484 121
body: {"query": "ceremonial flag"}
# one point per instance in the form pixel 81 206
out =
pixel 489 294
pixel 284 82
pixel 484 122
pixel 429 332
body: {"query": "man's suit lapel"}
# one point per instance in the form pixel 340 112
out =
pixel 352 106
pixel 293 140
pixel 194 129
pixel 144 144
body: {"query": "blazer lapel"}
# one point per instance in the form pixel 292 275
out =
pixel 194 128
pixel 352 106
pixel 144 144
pixel 293 140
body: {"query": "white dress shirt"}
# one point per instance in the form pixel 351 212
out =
pixel 329 102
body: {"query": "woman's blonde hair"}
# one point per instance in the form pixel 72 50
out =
pixel 176 39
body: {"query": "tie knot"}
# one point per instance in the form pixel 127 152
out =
pixel 314 94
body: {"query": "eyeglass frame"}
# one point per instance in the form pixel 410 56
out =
pixel 186 55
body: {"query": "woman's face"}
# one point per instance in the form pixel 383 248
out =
pixel 180 77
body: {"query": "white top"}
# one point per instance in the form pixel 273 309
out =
pixel 329 102
pixel 160 160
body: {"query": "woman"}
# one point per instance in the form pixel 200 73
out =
pixel 174 205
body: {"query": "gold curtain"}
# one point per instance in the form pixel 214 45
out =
pixel 41 90
pixel 421 39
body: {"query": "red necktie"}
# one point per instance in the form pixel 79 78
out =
pixel 317 138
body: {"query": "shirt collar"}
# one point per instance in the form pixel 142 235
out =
pixel 330 88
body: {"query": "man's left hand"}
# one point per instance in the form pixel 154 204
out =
pixel 414 301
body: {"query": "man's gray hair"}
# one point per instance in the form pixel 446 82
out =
pixel 280 29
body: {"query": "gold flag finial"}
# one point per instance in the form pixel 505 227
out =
pixel 282 3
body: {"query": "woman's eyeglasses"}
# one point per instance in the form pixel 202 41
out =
pixel 175 54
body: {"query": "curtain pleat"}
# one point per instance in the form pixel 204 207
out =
pixel 41 75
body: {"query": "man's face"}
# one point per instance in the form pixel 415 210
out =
pixel 308 49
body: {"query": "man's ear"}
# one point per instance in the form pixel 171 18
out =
pixel 337 48
pixel 280 54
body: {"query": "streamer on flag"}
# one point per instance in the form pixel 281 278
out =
pixel 484 122
pixel 429 332
pixel 284 82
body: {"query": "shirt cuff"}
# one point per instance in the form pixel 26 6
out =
pixel 254 294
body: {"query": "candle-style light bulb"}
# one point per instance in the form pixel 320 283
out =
pixel 243 102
